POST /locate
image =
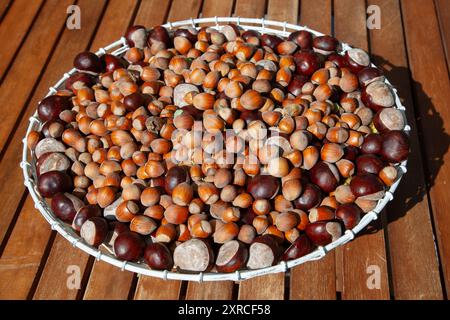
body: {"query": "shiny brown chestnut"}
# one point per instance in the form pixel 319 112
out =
pixel 377 95
pixel 129 246
pixel 53 182
pixel 94 231
pixel 322 233
pixel 263 186
pixel 350 214
pixel 193 255
pixel 299 248
pixel 270 40
pixel 310 198
pixel 84 214
pixel 325 44
pixel 136 36
pixel 395 147
pixel 158 257
pixel 302 38
pixel 65 206
pixel 88 61
pixel 388 119
pixel 112 62
pixel 369 75
pixel 306 63
pixel 50 107
pixel 79 80
pixel 337 60
pixel 296 84
pixel 158 35
pixel 372 144
pixel 357 59
pixel 368 186
pixel 325 175
pixel 175 176
pixel 264 252
pixel 369 163
pixel 135 100
pixel 232 256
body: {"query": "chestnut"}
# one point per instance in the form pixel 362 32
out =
pixel 337 60
pixel 388 119
pixel 193 255
pixel 369 163
pixel 395 146
pixel 65 206
pixel 271 41
pixel 263 186
pixel 369 75
pixel 306 63
pixel 368 186
pixel 53 182
pixel 350 214
pixel 297 83
pixel 299 248
pixel 136 37
pixel 322 233
pixel 129 246
pixel 310 198
pixel 158 36
pixel 325 175
pixel 325 44
pixel 174 177
pixel 79 80
pixel 232 256
pixel 88 61
pixel 84 214
pixel 112 62
pixel 50 107
pixel 158 257
pixel 302 38
pixel 357 59
pixel 264 252
pixel 377 95
pixel 94 231
pixel 135 100
pixel 52 161
pixel 372 144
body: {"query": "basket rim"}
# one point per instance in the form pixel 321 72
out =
pixel 120 46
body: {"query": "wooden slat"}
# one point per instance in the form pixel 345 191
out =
pixel 311 9
pixel 148 16
pixel 108 282
pixel 314 280
pixel 26 10
pixel 27 66
pixel 283 10
pixel 217 290
pixel 58 272
pixel 269 287
pixel 409 230
pixel 431 90
pixel 4 6
pixel 22 256
pixel 149 288
pixel 317 279
pixel 443 10
pixel 250 8
pixel 368 249
pixel 212 290
pixel 184 9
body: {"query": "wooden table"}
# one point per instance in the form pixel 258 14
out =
pixel 405 255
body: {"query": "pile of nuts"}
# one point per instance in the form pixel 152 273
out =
pixel 202 149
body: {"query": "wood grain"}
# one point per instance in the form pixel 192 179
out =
pixel 148 16
pixel 184 9
pixel 431 99
pixel 58 272
pixel 369 249
pixel 4 6
pixel 269 287
pixel 11 40
pixel 409 229
pixel 216 290
pixel 250 8
pixel 443 11
pixel 22 256
pixel 108 282
pixel 28 64
pixel 316 279
pixel 220 8
pixel 150 288
pixel 283 10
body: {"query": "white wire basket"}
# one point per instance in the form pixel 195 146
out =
pixel 282 29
